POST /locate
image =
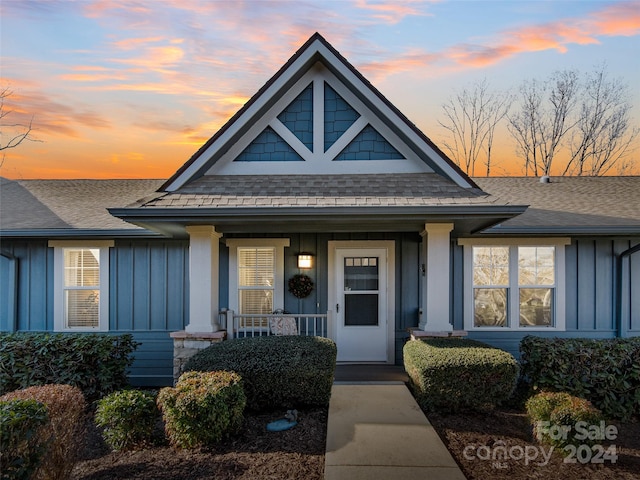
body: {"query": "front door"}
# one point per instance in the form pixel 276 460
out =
pixel 362 317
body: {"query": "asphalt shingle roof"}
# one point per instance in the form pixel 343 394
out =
pixel 318 191
pixel 68 204
pixel 568 202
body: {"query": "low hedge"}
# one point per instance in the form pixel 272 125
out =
pixel 606 372
pixel 277 371
pixel 128 418
pixel 95 363
pixel 22 448
pixel 62 435
pixel 202 408
pixel 452 374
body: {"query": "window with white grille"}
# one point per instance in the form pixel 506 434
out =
pixel 82 287
pixel 81 298
pixel 514 283
pixel 256 275
pixel 256 279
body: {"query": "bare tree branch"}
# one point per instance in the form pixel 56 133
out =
pixel 603 136
pixel 14 139
pixel 471 118
pixel 544 119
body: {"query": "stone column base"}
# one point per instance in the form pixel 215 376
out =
pixel 417 334
pixel 187 344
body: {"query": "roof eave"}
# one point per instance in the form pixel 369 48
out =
pixel 78 233
pixel 467 218
pixel 583 231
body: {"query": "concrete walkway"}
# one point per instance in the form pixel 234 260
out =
pixel 377 431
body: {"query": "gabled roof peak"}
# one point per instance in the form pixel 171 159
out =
pixel 258 114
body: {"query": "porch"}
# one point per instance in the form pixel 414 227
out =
pixel 253 325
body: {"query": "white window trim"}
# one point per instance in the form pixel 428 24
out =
pixel 278 288
pixel 513 322
pixel 59 324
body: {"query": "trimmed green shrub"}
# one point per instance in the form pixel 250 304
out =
pixel 561 419
pixel 202 408
pixel 605 372
pixel 95 363
pixel 128 418
pixel 62 434
pixel 22 448
pixel 452 374
pixel 277 371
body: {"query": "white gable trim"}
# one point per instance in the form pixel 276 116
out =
pixel 318 161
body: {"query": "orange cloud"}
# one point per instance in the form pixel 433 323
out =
pixel 31 105
pixel 131 43
pixel 412 60
pixel 88 77
pixel 391 12
pixel 618 19
pixel 622 18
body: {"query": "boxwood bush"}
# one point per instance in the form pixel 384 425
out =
pixel 605 372
pixel 203 408
pixel 277 371
pixel 452 374
pixel 95 363
pixel 555 416
pixel 62 435
pixel 128 418
pixel 22 449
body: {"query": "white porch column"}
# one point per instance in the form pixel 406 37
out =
pixel 436 250
pixel 204 270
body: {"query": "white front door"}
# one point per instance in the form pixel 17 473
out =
pixel 364 322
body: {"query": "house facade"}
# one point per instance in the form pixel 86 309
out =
pixel 320 175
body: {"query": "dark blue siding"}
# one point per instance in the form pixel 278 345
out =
pixel 34 306
pixel 149 291
pixel 407 275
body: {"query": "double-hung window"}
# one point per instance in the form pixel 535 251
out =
pixel 256 274
pixel 81 285
pixel 514 284
pixel 256 279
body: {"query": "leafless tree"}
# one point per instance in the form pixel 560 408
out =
pixel 18 132
pixel 544 119
pixel 471 118
pixel 603 136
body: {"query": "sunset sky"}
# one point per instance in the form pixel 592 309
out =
pixel 132 88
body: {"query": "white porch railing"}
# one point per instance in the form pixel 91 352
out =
pixel 245 325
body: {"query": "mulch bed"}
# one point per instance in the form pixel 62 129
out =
pixel 299 452
pixel 253 453
pixel 488 431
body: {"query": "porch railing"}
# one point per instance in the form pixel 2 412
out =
pixel 254 325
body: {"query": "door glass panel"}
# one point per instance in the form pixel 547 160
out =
pixel 360 273
pixel 361 309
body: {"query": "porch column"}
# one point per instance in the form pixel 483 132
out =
pixel 436 241
pixel 204 270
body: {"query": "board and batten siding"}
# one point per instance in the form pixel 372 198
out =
pixel 26 295
pixel 148 293
pixel 591 294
